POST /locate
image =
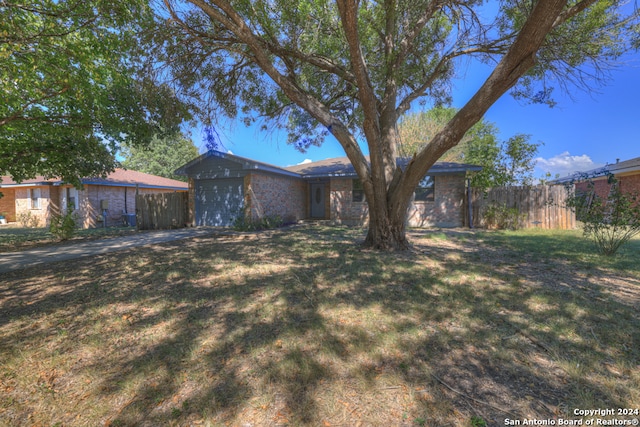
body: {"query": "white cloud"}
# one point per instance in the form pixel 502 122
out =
pixel 304 162
pixel 229 152
pixel 565 164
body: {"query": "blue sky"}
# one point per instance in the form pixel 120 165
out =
pixel 579 134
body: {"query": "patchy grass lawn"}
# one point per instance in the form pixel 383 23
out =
pixel 302 327
pixel 14 237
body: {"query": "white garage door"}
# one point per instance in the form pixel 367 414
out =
pixel 219 201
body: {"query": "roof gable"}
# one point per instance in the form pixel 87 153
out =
pixel 213 157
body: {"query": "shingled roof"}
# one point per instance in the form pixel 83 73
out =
pixel 341 166
pixel 617 168
pixel 119 178
pixel 334 167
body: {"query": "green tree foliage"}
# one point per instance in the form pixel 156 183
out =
pixel 161 157
pixel 75 85
pixel 507 163
pixel 352 69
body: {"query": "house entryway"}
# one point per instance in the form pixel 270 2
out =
pixel 318 209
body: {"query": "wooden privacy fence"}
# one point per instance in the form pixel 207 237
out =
pixel 161 210
pixel 541 206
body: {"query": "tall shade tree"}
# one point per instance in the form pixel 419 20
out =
pixel 353 68
pixel 74 84
pixel 162 156
pixel 503 163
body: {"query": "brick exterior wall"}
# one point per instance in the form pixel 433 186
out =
pixel 53 198
pixel 8 204
pixel 628 184
pixel 271 195
pixel 446 210
pixel 22 204
pixel 343 209
pixel 600 186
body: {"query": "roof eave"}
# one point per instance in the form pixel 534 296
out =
pixel 451 171
pixel 133 185
pixel 30 184
pixel 247 164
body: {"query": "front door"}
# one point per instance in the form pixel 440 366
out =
pixel 317 201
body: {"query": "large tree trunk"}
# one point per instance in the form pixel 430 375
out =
pixel 388 223
pixel 386 232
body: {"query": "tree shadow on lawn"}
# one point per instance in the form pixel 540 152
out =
pixel 303 327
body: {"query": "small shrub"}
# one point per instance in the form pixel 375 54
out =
pixel 610 222
pixel 269 222
pixel 478 422
pixel 502 217
pixel 28 220
pixel 243 222
pixel 420 421
pixel 63 227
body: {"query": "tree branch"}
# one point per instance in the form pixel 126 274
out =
pixel 573 11
pixel 406 44
pixel 19 115
pixel 518 59
pixel 349 16
pixel 319 61
pixel 405 103
pixel 224 13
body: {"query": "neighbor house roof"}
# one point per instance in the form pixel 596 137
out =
pixel 334 167
pixel 118 178
pixel 617 168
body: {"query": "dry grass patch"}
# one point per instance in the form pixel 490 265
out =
pixel 13 237
pixel 301 327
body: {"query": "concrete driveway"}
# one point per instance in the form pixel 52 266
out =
pixel 11 261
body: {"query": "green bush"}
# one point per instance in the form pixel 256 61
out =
pixel 478 422
pixel 63 227
pixel 28 220
pixel 243 222
pixel 610 222
pixel 501 217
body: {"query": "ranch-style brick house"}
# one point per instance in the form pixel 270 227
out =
pixel 224 186
pixel 627 173
pixel 101 201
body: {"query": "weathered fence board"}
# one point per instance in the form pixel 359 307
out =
pixel 161 210
pixel 540 206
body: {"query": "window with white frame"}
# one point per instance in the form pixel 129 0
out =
pixel 425 190
pixel 72 199
pixel 34 198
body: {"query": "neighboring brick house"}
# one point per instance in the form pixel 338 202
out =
pixel 101 201
pixel 224 186
pixel 626 172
